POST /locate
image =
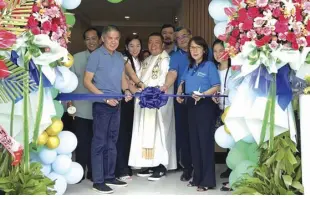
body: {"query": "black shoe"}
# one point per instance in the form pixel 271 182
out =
pixel 226 173
pixel 156 176
pixel 116 182
pixel 186 176
pixel 102 188
pixel 145 173
pixel 89 176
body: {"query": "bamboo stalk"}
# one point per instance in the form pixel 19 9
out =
pixel 39 110
pixel 266 118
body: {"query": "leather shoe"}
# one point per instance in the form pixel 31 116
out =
pixel 226 173
pixel 186 176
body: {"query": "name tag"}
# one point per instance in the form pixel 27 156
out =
pixel 200 74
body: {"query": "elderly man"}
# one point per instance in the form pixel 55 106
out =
pixel 153 135
pixel 105 75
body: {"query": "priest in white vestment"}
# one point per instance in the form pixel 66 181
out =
pixel 153 136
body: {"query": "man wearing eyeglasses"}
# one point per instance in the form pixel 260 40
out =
pixel 178 63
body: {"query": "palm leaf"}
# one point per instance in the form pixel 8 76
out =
pixel 15 16
pixel 11 88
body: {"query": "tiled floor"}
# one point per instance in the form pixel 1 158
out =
pixel 170 184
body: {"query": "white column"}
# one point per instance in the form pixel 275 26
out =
pixel 304 106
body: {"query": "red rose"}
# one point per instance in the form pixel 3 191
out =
pixel 308 41
pixel 234 23
pixel 35 30
pixel 7 39
pixel 232 41
pixel 282 19
pixel 261 42
pixel 32 22
pixel 295 45
pixel 281 27
pixel 35 8
pixel 235 33
pixel 291 37
pixel 47 26
pixel 247 25
pixel 298 14
pixel 54 27
pixel 242 15
pixel 253 12
pixel 308 25
pixel 276 12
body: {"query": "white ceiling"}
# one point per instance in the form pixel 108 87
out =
pixel 145 13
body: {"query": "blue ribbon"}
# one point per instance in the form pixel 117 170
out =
pixel 150 97
pixel 33 71
pixel 284 91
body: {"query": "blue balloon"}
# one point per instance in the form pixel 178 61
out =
pixel 62 164
pixel 60 184
pixel 69 155
pixel 46 169
pixel 75 173
pixel 71 4
pixel 47 156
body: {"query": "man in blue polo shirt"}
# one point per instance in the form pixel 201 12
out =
pixel 178 63
pixel 105 75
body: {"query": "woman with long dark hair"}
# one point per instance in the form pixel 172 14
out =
pixel 133 59
pixel 201 78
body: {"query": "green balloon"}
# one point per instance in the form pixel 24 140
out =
pixel 70 19
pixel 115 1
pixel 54 92
pixel 253 153
pixel 242 145
pixel 59 109
pixel 232 179
pixel 234 157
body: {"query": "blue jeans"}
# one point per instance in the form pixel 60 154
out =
pixel 103 150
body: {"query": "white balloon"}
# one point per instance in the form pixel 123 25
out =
pixel 62 164
pixel 60 185
pixel 75 173
pixel 72 85
pixel 46 169
pixel 71 4
pixel 69 155
pixel 47 156
pixel 68 142
pixel 216 21
pixel 216 9
pixel 59 2
pixel 249 139
pixel 220 28
pixel 224 139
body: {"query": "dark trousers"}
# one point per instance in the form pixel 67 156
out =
pixel 124 139
pixel 67 120
pixel 182 136
pixel 84 134
pixel 103 150
pixel 201 119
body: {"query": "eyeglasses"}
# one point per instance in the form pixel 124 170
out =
pixel 182 37
pixel 192 48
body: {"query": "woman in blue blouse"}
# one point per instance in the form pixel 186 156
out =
pixel 201 76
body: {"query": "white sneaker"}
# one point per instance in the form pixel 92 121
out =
pixel 156 176
pixel 145 173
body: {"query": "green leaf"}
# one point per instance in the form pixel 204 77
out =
pixel 287 180
pixel 280 154
pixel 290 157
pixel 297 185
pixel 271 160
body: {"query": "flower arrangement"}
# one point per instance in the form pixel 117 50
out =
pixel 48 18
pixel 269 23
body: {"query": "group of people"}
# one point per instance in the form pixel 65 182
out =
pixel 116 135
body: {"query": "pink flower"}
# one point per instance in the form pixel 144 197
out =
pixel 55 36
pixel 253 12
pixel 281 27
pixel 276 12
pixel 307 7
pixel 282 36
pixel 262 3
pixel 7 39
pixel 273 45
pixel 242 15
pixel 32 22
pixel 273 5
pixel 54 27
pixel 259 22
pixel 261 42
pixel 2 4
pixel 35 8
pixel 267 31
pixel 302 41
pixel 251 34
pixel 247 25
pixel 235 33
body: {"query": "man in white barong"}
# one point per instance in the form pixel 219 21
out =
pixel 153 136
